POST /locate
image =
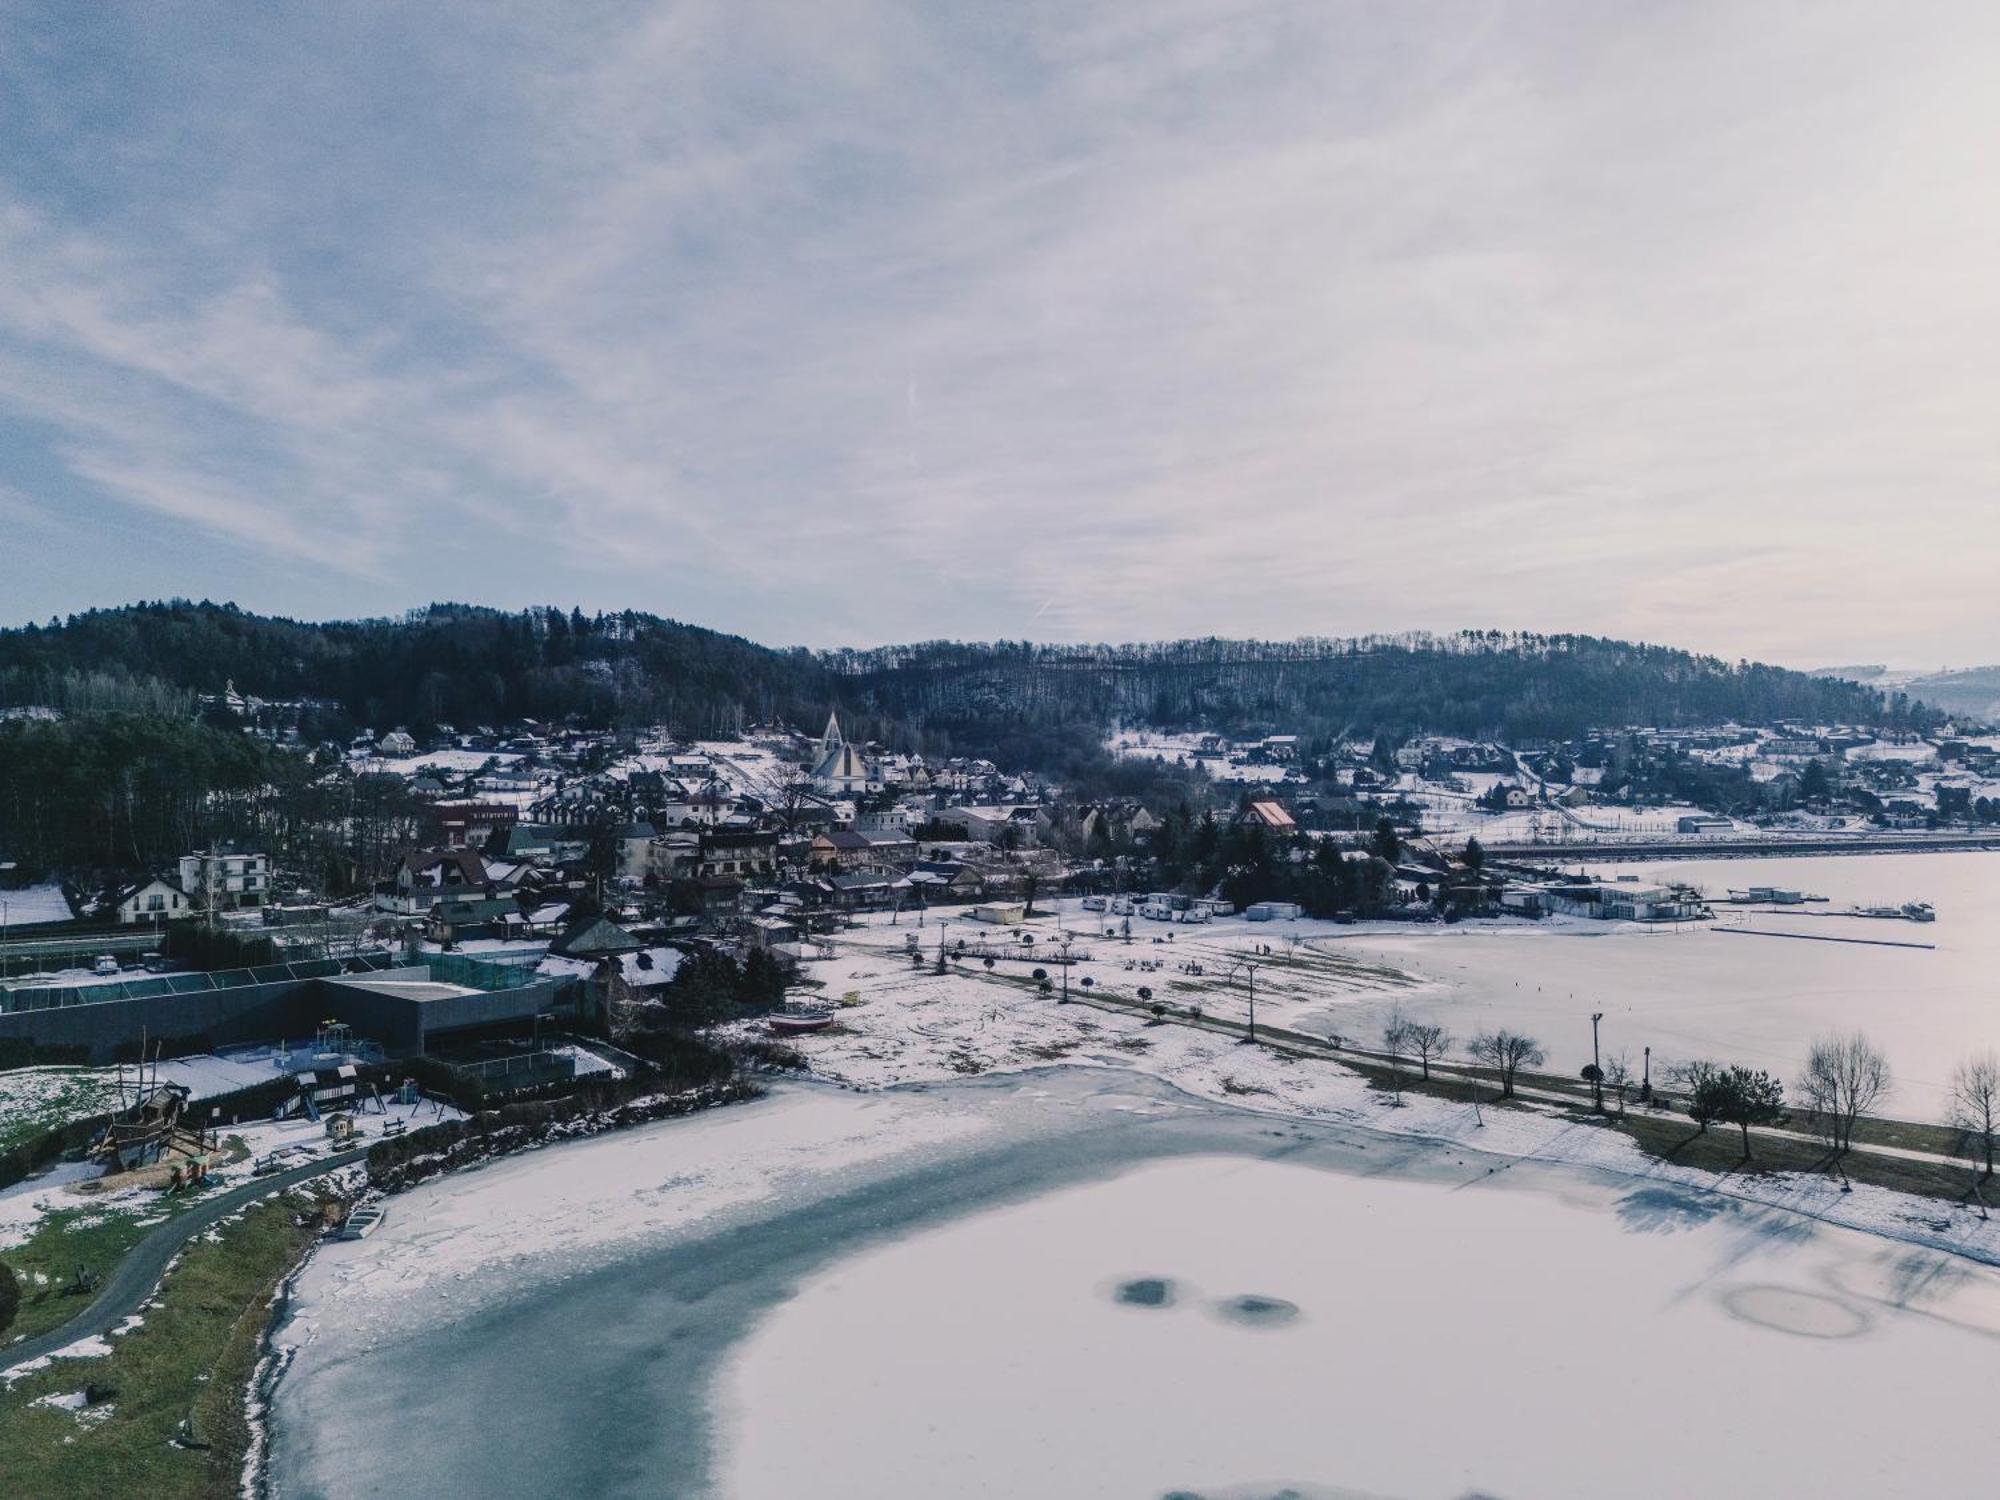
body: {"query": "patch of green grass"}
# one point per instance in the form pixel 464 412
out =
pixel 63 1241
pixel 193 1356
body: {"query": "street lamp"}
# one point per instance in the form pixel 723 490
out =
pixel 1596 1070
pixel 1063 945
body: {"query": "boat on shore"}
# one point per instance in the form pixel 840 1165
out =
pixel 363 1219
pixel 800 1022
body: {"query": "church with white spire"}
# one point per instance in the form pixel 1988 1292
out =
pixel 840 770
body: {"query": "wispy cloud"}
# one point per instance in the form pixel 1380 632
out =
pixel 865 321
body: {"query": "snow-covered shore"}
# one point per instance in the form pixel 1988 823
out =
pixel 915 1025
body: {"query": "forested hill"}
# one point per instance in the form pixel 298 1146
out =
pixel 464 665
pixel 1513 686
pixel 448 663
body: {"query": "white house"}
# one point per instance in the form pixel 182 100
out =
pixel 397 742
pixel 222 879
pixel 153 901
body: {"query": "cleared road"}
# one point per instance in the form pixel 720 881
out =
pixel 137 1276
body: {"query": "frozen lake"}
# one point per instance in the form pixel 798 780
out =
pixel 1691 991
pixel 1218 1325
pixel 1086 1283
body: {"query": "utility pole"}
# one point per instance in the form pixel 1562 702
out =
pixel 1596 1070
pixel 1646 1084
pixel 1249 967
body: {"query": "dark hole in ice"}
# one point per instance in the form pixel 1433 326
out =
pixel 1146 1291
pixel 1257 1312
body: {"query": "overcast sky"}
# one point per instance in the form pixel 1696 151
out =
pixel 848 322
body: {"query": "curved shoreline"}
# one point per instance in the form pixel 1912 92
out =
pixel 665 1317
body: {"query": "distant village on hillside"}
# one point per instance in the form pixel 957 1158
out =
pixel 589 861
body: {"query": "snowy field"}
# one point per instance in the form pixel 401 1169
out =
pixel 36 903
pixel 1456 816
pixel 1209 1323
pixel 917 1026
pixel 444 760
pixel 1183 749
pixel 1688 990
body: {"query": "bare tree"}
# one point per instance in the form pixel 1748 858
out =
pixel 1975 1107
pixel 1429 1041
pixel 1845 1076
pixel 1395 1041
pixel 1506 1053
pixel 1618 1077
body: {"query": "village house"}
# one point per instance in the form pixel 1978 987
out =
pixel 945 881
pixel 745 854
pixel 424 877
pixel 842 848
pixel 993 825
pixel 460 825
pixel 225 879
pixel 674 856
pixel 890 848
pixel 863 890
pixel 1271 816
pixel 634 845
pixel 153 901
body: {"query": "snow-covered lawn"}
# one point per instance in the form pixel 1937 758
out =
pixel 36 903
pixel 444 760
pixel 916 1025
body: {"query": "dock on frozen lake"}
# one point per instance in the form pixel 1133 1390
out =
pixel 1821 937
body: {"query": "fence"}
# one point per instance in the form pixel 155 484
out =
pixel 498 971
pixel 29 997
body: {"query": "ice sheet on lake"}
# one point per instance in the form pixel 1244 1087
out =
pixel 1443 1343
